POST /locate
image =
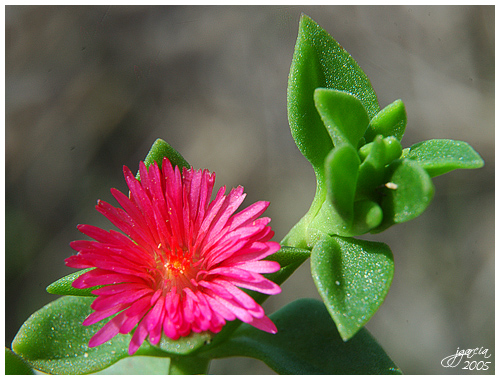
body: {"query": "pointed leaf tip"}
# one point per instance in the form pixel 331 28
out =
pixel 353 278
pixel 320 61
pixel 160 149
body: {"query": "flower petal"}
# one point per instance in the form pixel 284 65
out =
pixel 264 324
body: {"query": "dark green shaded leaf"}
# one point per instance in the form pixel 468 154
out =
pixel 15 365
pixel 63 286
pixel 353 277
pixel 307 343
pixel 343 114
pixel 391 121
pixel 319 61
pixel 440 156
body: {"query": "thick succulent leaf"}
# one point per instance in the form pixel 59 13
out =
pixel 53 340
pixel 341 173
pixel 408 192
pixel 372 170
pixel 367 215
pixel 185 345
pixel 307 343
pixel 440 156
pixel 15 365
pixel 63 286
pixel 392 149
pixel 319 61
pixel 161 149
pixel 343 114
pixel 353 277
pixel 391 121
pixel 287 256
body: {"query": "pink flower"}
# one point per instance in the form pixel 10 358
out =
pixel 179 266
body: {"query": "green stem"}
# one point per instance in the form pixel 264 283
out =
pixel 298 236
pixel 188 365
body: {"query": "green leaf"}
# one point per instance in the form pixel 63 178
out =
pixel 161 149
pixel 185 345
pixel 343 114
pixel 392 149
pixel 408 192
pixel 353 277
pixel 64 287
pixel 319 61
pixel 367 215
pixel 307 343
pixel 53 340
pixel 286 257
pixel 15 365
pixel 440 156
pixel 341 169
pixel 391 121
pixel 379 153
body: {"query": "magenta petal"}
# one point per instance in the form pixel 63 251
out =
pixel 244 299
pixel 115 289
pixel 108 331
pixel 240 312
pixel 127 297
pixel 264 324
pixel 98 316
pixel 259 266
pixel 138 338
pixel 95 233
pixel 265 286
pixel 78 262
pixel 258 251
pixel 155 321
pixel 249 214
pixel 135 313
pixel 98 277
pixel 219 309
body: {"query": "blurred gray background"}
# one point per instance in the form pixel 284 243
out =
pixel 89 88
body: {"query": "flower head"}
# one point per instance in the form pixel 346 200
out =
pixel 182 258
